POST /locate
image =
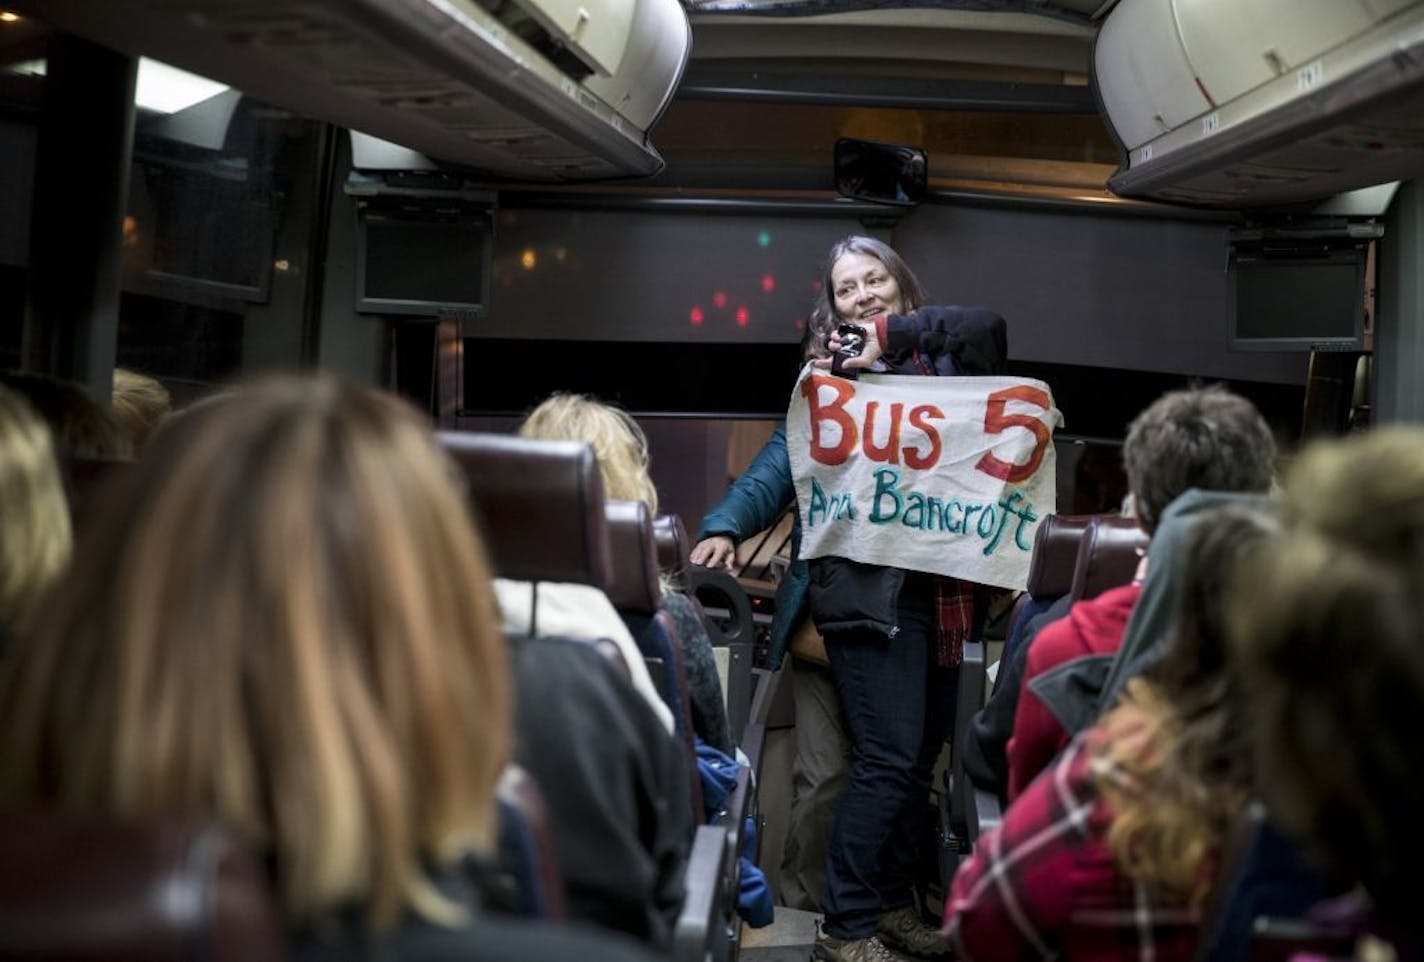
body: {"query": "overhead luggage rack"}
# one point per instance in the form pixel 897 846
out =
pixel 446 78
pixel 1251 105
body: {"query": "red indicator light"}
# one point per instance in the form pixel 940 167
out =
pixel 742 317
pixel 696 317
pixel 719 300
pixel 800 323
pixel 768 283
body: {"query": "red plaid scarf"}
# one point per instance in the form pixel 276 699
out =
pixel 954 619
pixel 954 599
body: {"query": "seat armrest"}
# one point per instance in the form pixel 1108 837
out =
pixel 700 930
pixel 970 700
pixel 752 745
pixel 740 802
pixel 986 813
pixel 1278 939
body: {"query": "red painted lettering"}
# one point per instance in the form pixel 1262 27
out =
pixel 997 421
pixel 835 412
pixel 919 417
pixel 889 452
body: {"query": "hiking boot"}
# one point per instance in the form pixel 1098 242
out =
pixel 870 949
pixel 903 929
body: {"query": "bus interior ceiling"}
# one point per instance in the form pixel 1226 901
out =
pixel 667 259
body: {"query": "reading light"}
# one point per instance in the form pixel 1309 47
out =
pixel 160 88
pixel 167 90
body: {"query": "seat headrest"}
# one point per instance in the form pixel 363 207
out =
pixel 1055 554
pixel 82 887
pixel 540 505
pixel 633 581
pixel 673 549
pixel 1109 555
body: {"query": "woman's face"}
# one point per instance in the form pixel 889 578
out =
pixel 861 287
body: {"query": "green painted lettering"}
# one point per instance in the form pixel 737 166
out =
pixel 886 481
pixel 818 503
pixel 914 516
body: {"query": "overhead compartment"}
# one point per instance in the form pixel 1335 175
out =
pixel 1258 103
pixel 540 89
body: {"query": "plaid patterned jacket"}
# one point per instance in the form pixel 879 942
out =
pixel 1044 885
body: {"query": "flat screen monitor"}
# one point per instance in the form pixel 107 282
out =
pixel 423 265
pixel 1298 302
pixel 194 233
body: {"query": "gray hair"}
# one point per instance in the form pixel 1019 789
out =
pixel 824 319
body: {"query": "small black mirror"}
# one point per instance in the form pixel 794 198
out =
pixel 883 173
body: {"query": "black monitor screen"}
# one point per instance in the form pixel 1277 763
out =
pixel 423 266
pixel 1289 303
pixel 193 232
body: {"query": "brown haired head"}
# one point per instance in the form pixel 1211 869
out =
pixel 1328 631
pixel 1201 437
pixel 1195 776
pixel 82 427
pixel 283 619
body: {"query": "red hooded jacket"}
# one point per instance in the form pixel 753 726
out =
pixel 1092 629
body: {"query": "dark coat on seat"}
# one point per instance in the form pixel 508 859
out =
pixel 615 783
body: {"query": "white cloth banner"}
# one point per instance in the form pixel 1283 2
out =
pixel 949 475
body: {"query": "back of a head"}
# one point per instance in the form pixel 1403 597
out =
pixel 1328 627
pixel 139 404
pixel 82 427
pixel 1198 774
pixel 283 619
pixel 34 526
pixel 1204 438
pixel 617 441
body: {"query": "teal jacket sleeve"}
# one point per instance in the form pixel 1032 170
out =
pixel 758 497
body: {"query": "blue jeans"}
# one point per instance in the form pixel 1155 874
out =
pixel 898 706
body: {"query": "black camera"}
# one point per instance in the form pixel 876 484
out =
pixel 852 339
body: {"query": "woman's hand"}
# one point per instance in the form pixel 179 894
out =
pixel 718 551
pixel 869 353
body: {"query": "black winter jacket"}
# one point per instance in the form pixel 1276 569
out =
pixel 947 341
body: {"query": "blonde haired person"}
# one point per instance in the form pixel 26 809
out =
pixel 573 610
pixel 140 403
pixel 34 525
pixel 623 461
pixel 1328 631
pixel 284 621
pixel 1111 851
pixel 618 442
